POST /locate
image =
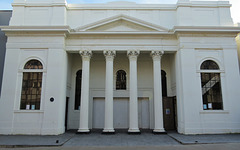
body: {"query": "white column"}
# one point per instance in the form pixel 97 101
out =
pixel 108 125
pixel 84 116
pixel 133 111
pixel 158 111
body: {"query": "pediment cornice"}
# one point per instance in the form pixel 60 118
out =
pixel 135 21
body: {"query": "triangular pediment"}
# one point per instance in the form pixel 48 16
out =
pixel 121 23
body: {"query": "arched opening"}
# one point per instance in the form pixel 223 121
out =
pixel 164 83
pixel 78 88
pixel 211 86
pixel 121 80
pixel 31 85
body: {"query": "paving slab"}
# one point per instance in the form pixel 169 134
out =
pixel 206 138
pixel 120 139
pixel 34 140
pixel 228 146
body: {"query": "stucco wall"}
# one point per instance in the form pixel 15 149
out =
pixel 4 20
pixel 188 33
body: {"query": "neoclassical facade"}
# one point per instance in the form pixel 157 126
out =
pixel 120 65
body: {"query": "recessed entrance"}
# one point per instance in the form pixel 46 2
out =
pixel 169 106
pixel 169 114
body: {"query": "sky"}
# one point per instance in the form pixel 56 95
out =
pixel 235 10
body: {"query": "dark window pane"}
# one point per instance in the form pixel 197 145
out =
pixel 78 89
pixel 211 91
pixel 33 64
pixel 209 65
pixel 121 81
pixel 31 90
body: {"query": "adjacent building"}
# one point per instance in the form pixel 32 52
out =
pixel 5 16
pixel 120 65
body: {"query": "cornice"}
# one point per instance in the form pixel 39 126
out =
pixel 121 6
pixel 124 5
pixel 39 4
pixel 67 30
pixel 199 29
pixel 206 5
pixel 35 29
pixel 121 33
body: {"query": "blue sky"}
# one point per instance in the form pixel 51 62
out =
pixel 235 10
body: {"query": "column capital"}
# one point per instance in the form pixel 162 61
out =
pixel 133 54
pixel 86 54
pixel 157 54
pixel 109 54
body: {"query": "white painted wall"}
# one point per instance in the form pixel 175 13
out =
pixel 192 119
pixel 183 31
pixel 50 118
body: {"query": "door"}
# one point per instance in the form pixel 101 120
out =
pixel 121 113
pixel 98 113
pixel 143 113
pixel 168 113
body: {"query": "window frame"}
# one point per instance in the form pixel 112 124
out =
pixel 21 71
pixel 126 82
pixel 215 71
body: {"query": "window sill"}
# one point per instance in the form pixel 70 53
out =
pixel 214 112
pixel 28 111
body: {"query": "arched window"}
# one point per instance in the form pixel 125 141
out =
pixel 164 83
pixel 209 65
pixel 31 85
pixel 211 86
pixel 121 80
pixel 78 89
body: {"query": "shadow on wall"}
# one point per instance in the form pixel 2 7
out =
pixel 5 16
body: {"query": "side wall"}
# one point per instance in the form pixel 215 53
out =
pixel 192 118
pixel 49 120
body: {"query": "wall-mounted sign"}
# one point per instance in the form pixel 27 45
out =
pixel 168 112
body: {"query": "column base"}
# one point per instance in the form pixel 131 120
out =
pixel 134 131
pixel 83 131
pixel 108 131
pixel 159 131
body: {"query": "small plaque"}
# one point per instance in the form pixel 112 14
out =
pixel 204 106
pixel 27 107
pixel 33 107
pixel 168 112
pixel 210 105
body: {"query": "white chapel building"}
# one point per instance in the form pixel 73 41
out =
pixel 120 65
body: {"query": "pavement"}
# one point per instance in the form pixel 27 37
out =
pixel 121 140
